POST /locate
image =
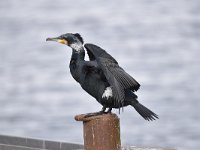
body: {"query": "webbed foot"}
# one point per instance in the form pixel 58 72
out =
pixel 94 114
pixel 97 113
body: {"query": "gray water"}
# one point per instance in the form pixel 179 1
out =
pixel 157 42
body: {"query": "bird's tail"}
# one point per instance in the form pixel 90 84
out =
pixel 146 113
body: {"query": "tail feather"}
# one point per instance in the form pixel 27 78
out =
pixel 145 112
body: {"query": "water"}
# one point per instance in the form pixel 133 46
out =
pixel 157 42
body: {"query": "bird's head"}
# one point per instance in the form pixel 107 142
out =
pixel 74 41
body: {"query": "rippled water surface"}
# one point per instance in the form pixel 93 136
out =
pixel 157 42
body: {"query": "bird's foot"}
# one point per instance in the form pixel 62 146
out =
pixel 98 113
pixel 103 111
pixel 94 114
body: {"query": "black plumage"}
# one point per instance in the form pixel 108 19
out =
pixel 102 77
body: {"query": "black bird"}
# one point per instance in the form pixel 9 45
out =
pixel 102 77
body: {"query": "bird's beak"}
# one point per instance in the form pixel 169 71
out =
pixel 57 39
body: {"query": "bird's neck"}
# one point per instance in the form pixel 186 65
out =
pixel 78 53
pixel 75 63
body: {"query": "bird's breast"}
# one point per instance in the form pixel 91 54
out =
pixel 75 70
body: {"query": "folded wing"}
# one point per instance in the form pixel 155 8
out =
pixel 118 79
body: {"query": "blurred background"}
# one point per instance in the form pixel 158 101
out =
pixel 157 42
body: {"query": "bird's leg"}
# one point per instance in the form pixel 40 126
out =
pixel 96 113
pixel 103 109
pixel 109 110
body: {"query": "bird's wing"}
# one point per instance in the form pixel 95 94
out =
pixel 94 52
pixel 116 76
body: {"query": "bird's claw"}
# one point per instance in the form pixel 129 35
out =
pixel 94 114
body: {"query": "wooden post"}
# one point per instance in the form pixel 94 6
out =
pixel 101 132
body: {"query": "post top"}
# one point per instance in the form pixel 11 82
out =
pixel 87 117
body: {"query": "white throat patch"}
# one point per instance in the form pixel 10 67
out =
pixel 76 46
pixel 107 93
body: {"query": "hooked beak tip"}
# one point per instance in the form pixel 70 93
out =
pixel 48 39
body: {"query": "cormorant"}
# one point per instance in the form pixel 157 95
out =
pixel 102 77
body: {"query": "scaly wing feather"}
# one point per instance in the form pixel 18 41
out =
pixel 118 79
